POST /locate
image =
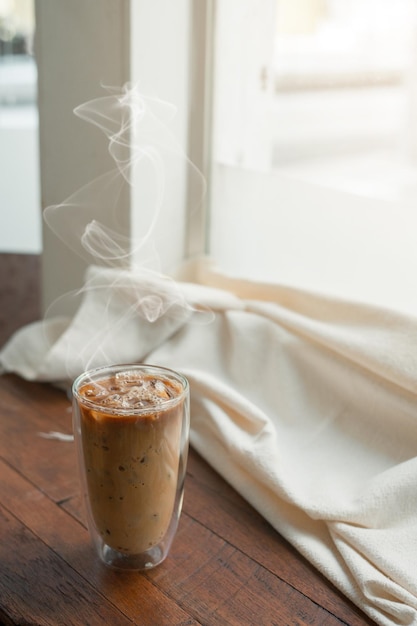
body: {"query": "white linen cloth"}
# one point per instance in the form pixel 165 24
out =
pixel 305 404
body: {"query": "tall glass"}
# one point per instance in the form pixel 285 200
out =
pixel 131 427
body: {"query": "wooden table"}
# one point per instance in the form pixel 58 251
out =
pixel 227 566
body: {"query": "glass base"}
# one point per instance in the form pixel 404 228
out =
pixel 144 561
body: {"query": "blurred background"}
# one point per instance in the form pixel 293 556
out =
pixel 19 151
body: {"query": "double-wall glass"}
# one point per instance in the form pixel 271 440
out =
pixel 131 426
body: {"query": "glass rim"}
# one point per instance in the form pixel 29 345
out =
pixel 96 373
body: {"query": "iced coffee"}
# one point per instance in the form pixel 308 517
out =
pixel 132 431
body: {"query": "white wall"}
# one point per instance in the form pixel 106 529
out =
pixel 81 47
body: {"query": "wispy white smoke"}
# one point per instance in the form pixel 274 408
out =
pixel 145 152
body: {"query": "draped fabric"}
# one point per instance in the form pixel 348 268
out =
pixel 306 404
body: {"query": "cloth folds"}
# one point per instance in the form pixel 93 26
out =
pixel 305 404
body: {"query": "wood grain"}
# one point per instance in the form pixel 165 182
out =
pixel 227 565
pixel 19 292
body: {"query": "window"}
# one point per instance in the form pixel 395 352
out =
pixel 301 116
pixel 313 172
